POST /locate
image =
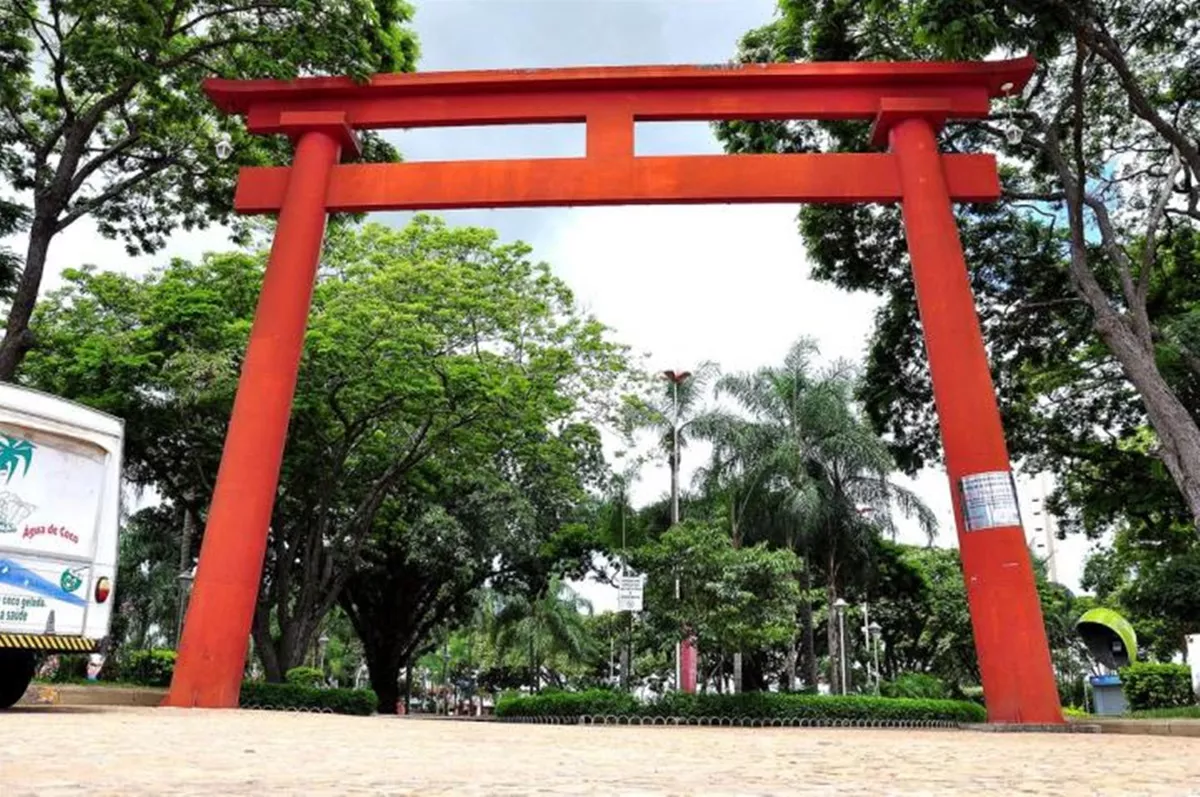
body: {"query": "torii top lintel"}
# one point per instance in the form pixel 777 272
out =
pixel 610 100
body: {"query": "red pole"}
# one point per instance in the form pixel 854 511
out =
pixel 687 664
pixel 212 652
pixel 1010 636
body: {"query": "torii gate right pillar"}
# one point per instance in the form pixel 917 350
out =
pixel 1010 637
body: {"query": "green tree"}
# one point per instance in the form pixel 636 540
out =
pixel 162 352
pixel 1145 574
pixel 147 609
pixel 421 341
pixel 1086 273
pixel 1165 593
pixel 731 598
pixel 458 524
pixel 543 625
pixel 831 470
pixel 104 114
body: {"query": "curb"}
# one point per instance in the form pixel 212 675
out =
pixel 1149 727
pixel 74 695
pixel 1013 727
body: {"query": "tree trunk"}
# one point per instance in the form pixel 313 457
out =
pixel 833 640
pixel 1175 427
pixel 808 636
pixel 18 340
pixel 737 656
pixel 385 681
pixel 385 659
pixel 185 560
pixel 754 675
pixel 264 646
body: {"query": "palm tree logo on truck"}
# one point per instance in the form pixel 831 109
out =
pixel 13 453
pixel 16 455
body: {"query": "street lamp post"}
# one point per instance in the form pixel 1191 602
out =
pixel 874 630
pixel 322 641
pixel 866 632
pixel 446 675
pixel 839 607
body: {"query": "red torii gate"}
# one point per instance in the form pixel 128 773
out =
pixel 908 103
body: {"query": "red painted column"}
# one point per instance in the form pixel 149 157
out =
pixel 212 652
pixel 1010 637
pixel 687 664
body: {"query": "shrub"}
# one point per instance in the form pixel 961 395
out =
pixel 593 702
pixel 755 705
pixel 917 685
pixel 65 669
pixel 257 694
pixel 1148 685
pixel 149 667
pixel 305 676
pixel 972 693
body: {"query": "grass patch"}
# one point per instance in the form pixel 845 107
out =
pixel 1176 712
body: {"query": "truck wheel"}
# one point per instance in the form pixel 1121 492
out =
pixel 16 671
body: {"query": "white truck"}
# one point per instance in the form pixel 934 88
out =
pixel 60 491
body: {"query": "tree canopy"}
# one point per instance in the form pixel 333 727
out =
pixel 448 387
pixel 104 117
pixel 1084 274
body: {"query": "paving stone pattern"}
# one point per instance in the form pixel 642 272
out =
pixel 67 750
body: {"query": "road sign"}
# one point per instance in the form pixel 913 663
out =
pixel 629 593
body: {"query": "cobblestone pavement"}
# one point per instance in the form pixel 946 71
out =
pixel 131 751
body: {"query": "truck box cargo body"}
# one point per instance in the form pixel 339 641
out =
pixel 60 488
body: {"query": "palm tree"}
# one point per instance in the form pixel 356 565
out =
pixel 819 465
pixel 670 413
pixel 546 625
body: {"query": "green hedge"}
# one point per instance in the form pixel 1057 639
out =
pixel 305 676
pixel 148 667
pixel 568 704
pixel 916 685
pixel 753 705
pixel 257 694
pixel 1149 685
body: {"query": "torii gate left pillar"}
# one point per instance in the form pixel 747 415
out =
pixel 907 102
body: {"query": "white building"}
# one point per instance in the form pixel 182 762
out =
pixel 1041 527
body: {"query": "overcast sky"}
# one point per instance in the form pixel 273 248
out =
pixel 683 284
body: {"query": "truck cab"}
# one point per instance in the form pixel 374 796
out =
pixel 60 492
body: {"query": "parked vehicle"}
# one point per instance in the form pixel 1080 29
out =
pixel 60 489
